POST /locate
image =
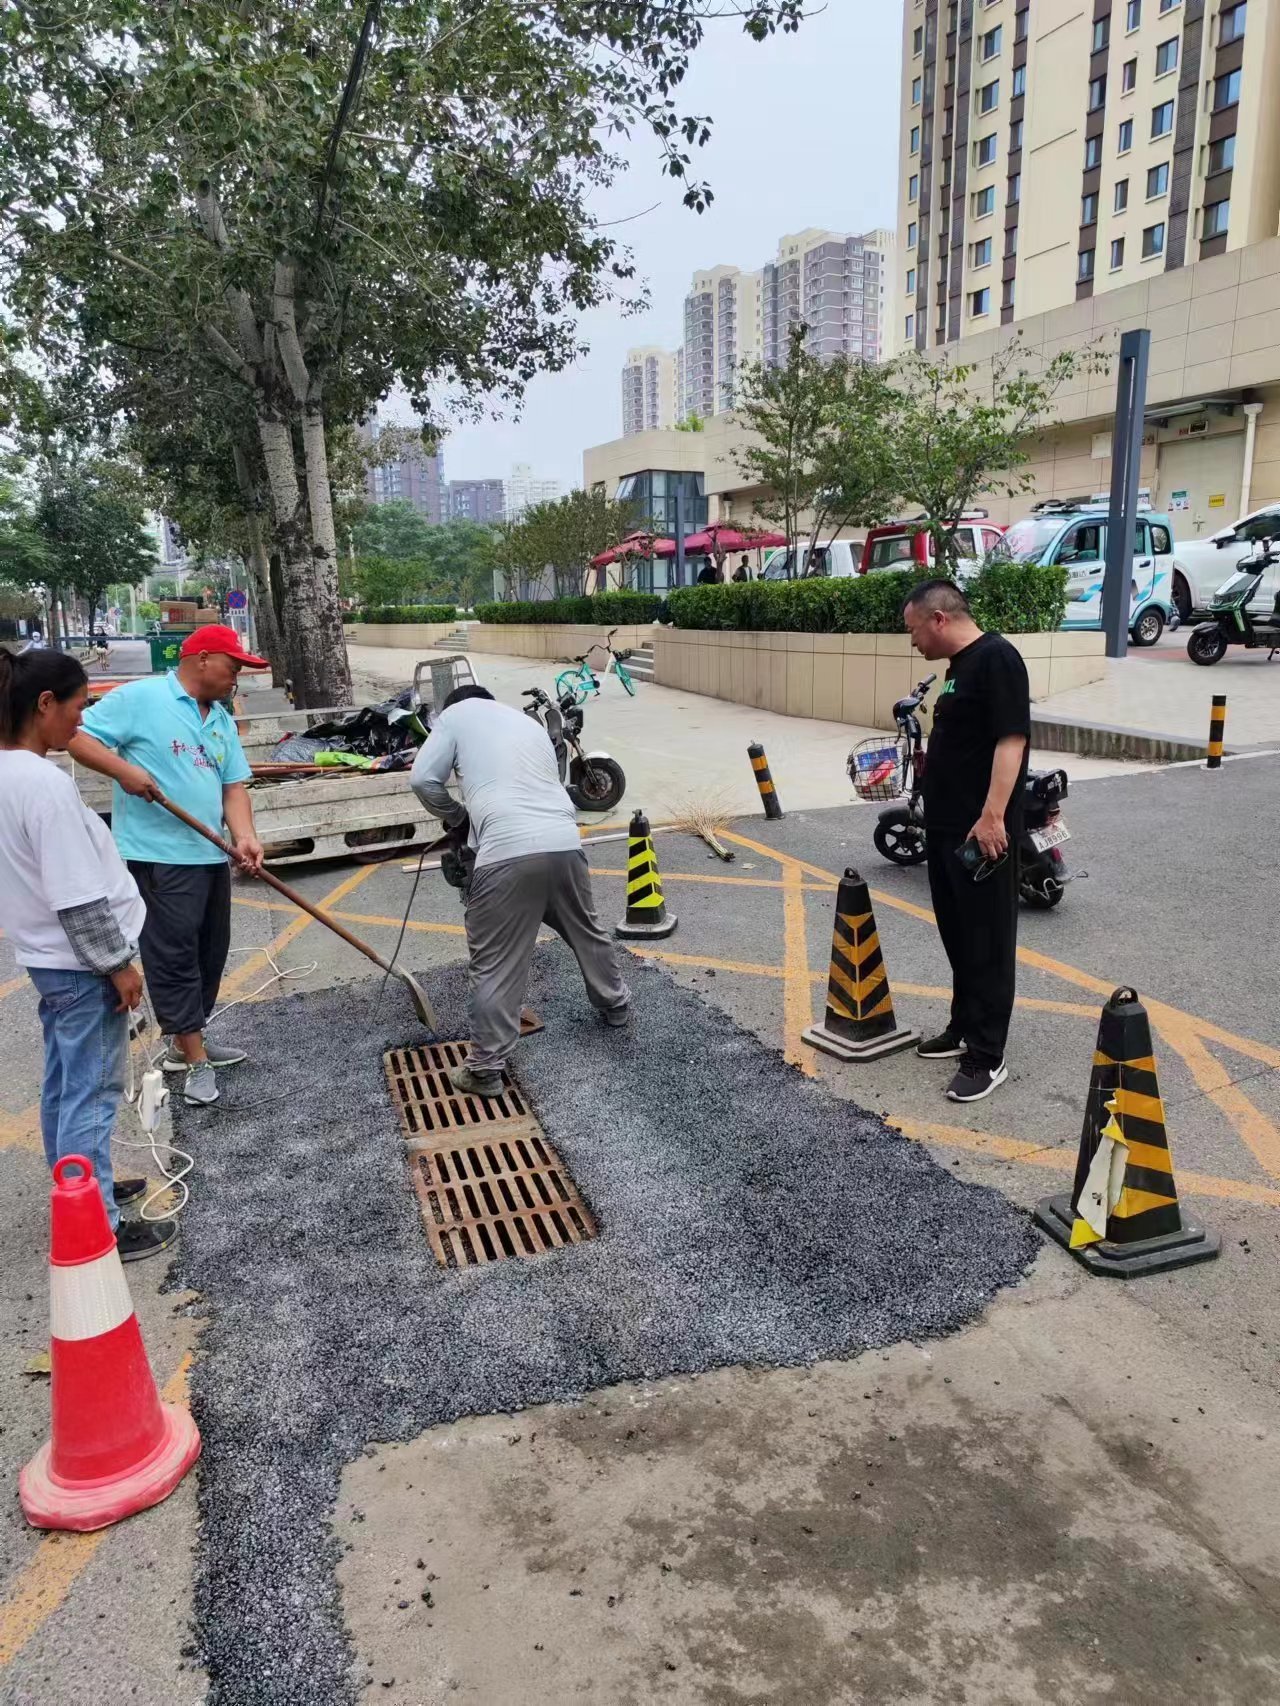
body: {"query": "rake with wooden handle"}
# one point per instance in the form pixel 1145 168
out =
pixel 417 994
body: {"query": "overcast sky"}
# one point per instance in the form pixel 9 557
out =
pixel 805 133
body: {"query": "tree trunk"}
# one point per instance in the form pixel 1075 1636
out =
pixel 258 567
pixel 310 617
pixel 324 551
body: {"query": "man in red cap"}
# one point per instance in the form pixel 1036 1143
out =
pixel 172 735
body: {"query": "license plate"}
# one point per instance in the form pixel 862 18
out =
pixel 1056 833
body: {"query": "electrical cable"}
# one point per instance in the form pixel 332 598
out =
pixel 404 925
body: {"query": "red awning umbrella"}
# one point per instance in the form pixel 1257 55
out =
pixel 716 538
pixel 634 545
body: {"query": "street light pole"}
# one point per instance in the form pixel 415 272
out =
pixel 1126 459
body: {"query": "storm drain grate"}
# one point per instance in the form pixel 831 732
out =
pixel 488 1182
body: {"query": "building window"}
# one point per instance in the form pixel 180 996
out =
pixel 1006 295
pixel 989 97
pixel 1011 241
pixel 915 91
pixel 1117 253
pixel 915 138
pixel 1101 33
pixel 1222 154
pixel 917 40
pixel 911 281
pixel 1162 119
pixel 1216 216
pixel 1015 188
pixel 1152 241
pixel 1125 140
pixel 1232 26
pixel 1019 81
pixel 1122 196
pixel 991 42
pixel 1015 137
pixel 982 253
pixel 980 303
pixel 1020 26
pixel 1133 15
pixel 984 150
pixel 1167 57
pixel 1092 152
pixel 984 202
pixel 1157 181
pixel 1097 94
pixel 911 235
pixel 1089 209
pixel 913 186
pixel 911 325
pixel 1226 91
pixel 1167 6
pixel 1128 76
pixel 1085 268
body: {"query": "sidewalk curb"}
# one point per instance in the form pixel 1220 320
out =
pixel 1110 740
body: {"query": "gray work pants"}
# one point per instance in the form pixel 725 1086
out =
pixel 507 905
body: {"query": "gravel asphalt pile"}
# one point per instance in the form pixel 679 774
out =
pixel 745 1217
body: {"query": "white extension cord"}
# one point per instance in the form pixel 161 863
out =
pixel 150 1095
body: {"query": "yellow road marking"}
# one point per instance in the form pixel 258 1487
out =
pixel 13 985
pixel 797 1001
pixel 44 1582
pixel 745 968
pixel 21 1131
pixel 252 963
pixel 1257 1132
pixel 714 877
pixel 366 918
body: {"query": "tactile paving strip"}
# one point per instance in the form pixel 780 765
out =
pixel 488 1182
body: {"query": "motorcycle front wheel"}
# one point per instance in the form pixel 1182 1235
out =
pixel 1206 645
pixel 899 838
pixel 596 784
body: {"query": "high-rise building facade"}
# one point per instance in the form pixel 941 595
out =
pixel 650 400
pixel 476 500
pixel 840 286
pixel 411 475
pixel 721 334
pixel 1152 142
pixel 522 488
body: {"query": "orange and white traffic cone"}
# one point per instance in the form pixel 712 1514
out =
pixel 116 1448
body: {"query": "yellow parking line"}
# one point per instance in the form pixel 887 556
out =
pixel 59 1560
pixel 716 877
pixel 13 985
pixel 252 963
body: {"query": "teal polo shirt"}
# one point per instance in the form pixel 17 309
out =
pixel 157 725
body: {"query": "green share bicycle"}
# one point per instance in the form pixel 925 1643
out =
pixel 583 681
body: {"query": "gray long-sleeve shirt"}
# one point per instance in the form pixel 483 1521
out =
pixel 509 781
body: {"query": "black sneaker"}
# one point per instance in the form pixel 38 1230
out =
pixel 128 1190
pixel 972 1083
pixel 942 1047
pixel 138 1239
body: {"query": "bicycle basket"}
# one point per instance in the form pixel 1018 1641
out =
pixel 875 769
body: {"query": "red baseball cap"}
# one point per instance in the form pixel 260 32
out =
pixel 216 638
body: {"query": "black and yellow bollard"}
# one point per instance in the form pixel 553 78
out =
pixel 859 1022
pixel 1122 1216
pixel 1217 730
pixel 647 913
pixel 764 781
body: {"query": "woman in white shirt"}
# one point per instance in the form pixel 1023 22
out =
pixel 72 914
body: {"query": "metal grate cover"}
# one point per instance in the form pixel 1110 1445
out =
pixel 488 1182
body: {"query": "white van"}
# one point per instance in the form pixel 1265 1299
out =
pixel 840 559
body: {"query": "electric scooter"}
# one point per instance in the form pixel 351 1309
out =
pixel 1233 623
pixel 882 772
pixel 592 780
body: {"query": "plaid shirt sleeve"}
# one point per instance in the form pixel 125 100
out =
pixel 95 937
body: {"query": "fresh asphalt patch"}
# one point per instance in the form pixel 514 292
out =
pixel 745 1217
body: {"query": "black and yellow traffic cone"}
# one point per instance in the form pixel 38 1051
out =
pixel 859 1022
pixel 647 913
pixel 1122 1216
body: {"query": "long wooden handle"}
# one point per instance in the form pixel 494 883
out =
pixel 280 888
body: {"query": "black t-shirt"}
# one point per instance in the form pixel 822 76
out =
pixel 986 696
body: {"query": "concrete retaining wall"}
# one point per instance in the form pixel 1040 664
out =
pixel 552 640
pixel 844 678
pixel 409 636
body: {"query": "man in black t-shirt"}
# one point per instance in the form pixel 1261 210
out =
pixel 977 761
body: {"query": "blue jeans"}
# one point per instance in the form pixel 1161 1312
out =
pixel 86 1044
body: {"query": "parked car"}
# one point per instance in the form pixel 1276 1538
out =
pixel 907 544
pixel 839 558
pixel 1202 565
pixel 1073 533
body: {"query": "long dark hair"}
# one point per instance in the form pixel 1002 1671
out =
pixel 24 676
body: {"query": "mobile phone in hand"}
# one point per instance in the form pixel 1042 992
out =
pixel 975 861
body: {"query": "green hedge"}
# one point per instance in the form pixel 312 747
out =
pixel 602 609
pixel 1010 598
pixel 407 613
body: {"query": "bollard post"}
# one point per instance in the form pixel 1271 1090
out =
pixel 764 781
pixel 1217 728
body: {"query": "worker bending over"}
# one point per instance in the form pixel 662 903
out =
pixel 530 870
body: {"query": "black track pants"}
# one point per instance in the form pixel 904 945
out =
pixel 185 939
pixel 978 923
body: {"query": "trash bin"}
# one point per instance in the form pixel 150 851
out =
pixel 165 648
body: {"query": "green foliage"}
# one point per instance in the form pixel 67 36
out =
pixel 561 537
pixel 1019 598
pixel 395 529
pixel 691 423
pixel 397 613
pixel 16 601
pixel 603 610
pixel 147 611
